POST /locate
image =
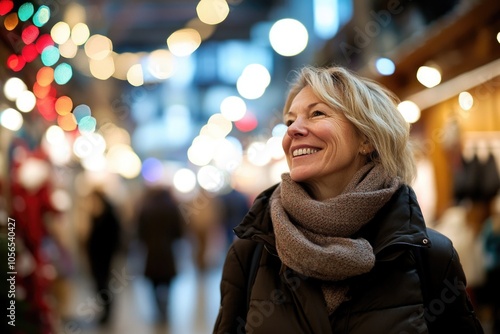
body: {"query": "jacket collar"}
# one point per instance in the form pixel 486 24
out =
pixel 398 223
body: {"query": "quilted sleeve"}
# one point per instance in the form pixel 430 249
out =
pixel 232 311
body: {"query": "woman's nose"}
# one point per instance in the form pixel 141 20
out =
pixel 297 128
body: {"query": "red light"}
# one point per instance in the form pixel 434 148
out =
pixel 43 41
pixel 5 7
pixel 46 107
pixel 40 91
pixel 30 53
pixel 247 123
pixel 15 62
pixel 30 34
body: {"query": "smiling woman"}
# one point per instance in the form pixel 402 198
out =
pixel 340 242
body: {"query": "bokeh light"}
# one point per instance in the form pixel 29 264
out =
pixel 63 73
pixel 98 47
pixel 429 76
pixel 212 11
pixel 288 37
pixel 184 180
pixel 152 170
pixel 29 53
pixel 253 81
pixel 248 123
pixel 15 63
pixel 67 122
pixel 43 41
pixel 87 124
pixel 201 150
pixel 89 144
pixel 184 42
pixel 30 34
pixel 60 32
pixel 233 108
pixel 465 100
pixel 80 33
pixel 11 21
pixel 258 153
pixel 385 66
pixel 5 7
pixel 160 64
pixel 50 56
pixel 211 178
pixel 63 105
pixel 69 49
pixel 410 111
pixel 13 87
pixel 45 76
pixel 81 111
pixel 102 69
pixel 11 119
pixel 26 101
pixel 124 161
pixel 25 11
pixel 135 75
pixel 42 16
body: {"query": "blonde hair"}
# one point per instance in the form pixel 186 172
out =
pixel 371 108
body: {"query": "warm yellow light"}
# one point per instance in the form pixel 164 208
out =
pixel 429 76
pixel 410 111
pixel 123 63
pixel 80 33
pixel 184 42
pixel 102 69
pixel 98 47
pixel 212 11
pixel 69 49
pixel 161 64
pixel 60 32
pixel 135 75
pixel 465 100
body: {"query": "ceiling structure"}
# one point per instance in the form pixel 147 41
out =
pixel 135 25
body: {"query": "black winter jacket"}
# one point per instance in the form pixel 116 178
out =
pixel 388 299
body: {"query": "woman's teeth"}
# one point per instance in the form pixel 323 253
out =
pixel 304 151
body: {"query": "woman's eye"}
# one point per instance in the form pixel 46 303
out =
pixel 317 113
pixel 289 122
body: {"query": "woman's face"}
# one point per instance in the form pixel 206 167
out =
pixel 321 145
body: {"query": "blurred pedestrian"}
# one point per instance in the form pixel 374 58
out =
pixel 235 205
pixel 160 224
pixel 102 246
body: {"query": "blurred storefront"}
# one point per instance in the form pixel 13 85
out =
pixel 96 94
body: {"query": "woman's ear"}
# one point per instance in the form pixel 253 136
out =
pixel 366 147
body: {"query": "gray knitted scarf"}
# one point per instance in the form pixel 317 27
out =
pixel 314 237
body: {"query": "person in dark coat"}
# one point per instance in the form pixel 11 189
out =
pixel 102 246
pixel 340 244
pixel 160 224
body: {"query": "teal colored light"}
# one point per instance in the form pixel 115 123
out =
pixel 81 111
pixel 25 11
pixel 87 124
pixel 41 16
pixel 50 55
pixel 63 73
